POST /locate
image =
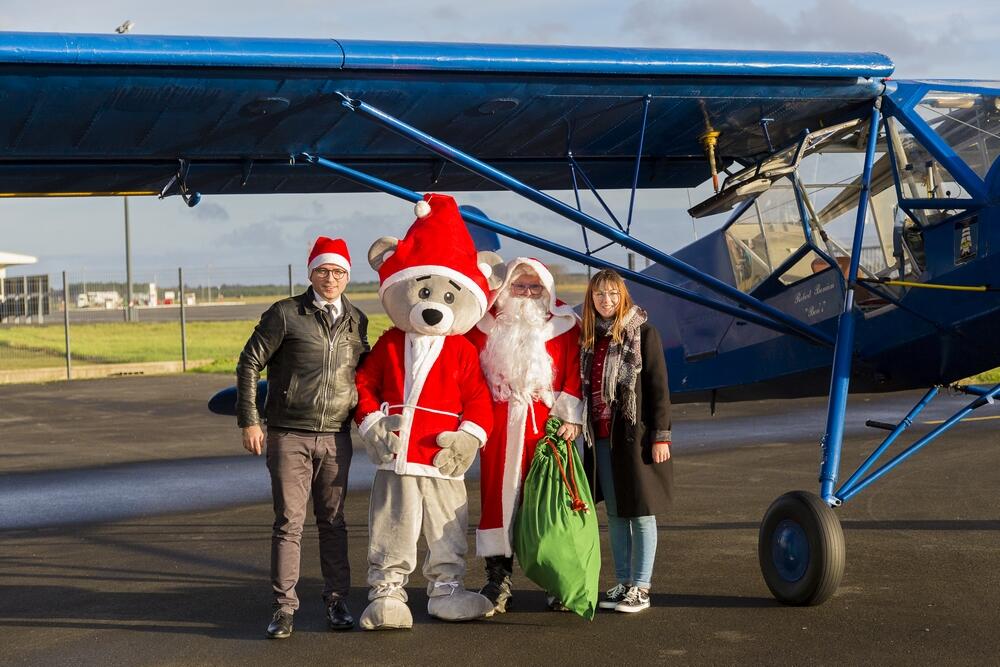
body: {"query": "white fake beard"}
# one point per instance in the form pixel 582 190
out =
pixel 515 360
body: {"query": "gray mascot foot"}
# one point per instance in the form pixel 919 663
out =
pixel 386 613
pixel 460 605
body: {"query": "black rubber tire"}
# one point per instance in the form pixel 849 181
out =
pixel 826 549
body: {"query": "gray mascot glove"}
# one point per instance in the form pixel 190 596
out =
pixel 380 441
pixel 458 451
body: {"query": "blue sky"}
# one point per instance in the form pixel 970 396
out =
pixel 257 236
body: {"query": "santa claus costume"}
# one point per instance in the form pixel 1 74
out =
pixel 541 379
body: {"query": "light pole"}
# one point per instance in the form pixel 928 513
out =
pixel 123 29
pixel 128 265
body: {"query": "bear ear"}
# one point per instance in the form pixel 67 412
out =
pixel 382 250
pixel 491 261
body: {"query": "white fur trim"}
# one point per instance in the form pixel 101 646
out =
pixel 422 209
pixel 557 325
pixel 493 542
pixel 414 377
pixel 517 420
pixel 370 420
pixel 568 408
pixel 417 470
pixel 330 258
pixel 411 272
pixel 475 430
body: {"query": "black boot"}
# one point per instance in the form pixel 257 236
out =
pixel 497 588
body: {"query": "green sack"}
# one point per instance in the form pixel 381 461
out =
pixel 555 534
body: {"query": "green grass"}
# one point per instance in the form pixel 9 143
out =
pixel 44 346
pixel 989 377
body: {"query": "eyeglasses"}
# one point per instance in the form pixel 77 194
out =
pixel 524 288
pixel 338 274
pixel 611 296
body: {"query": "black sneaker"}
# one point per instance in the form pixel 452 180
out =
pixel 613 596
pixel 635 600
pixel 281 625
pixel 498 586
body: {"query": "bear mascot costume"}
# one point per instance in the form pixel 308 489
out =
pixel 424 411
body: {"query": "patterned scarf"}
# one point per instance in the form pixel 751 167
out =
pixel 623 363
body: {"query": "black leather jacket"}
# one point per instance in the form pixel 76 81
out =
pixel 310 369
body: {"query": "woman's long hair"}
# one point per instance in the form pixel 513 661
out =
pixel 606 279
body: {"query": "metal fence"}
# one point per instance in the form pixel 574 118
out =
pixel 94 324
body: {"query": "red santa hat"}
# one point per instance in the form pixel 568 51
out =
pixel 556 307
pixel 437 243
pixel 329 251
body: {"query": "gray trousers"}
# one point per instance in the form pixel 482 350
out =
pixel 403 506
pixel 303 465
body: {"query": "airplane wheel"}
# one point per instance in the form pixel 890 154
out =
pixel 801 549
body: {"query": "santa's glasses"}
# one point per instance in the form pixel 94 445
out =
pixel 526 288
pixel 338 274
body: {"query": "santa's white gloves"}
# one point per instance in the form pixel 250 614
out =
pixel 458 451
pixel 380 441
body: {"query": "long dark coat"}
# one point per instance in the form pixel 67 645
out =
pixel 641 486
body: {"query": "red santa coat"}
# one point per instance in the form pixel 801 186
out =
pixel 435 382
pixel 505 459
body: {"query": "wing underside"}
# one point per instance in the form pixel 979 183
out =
pixel 116 114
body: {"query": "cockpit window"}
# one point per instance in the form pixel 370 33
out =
pixel 765 235
pixel 968 122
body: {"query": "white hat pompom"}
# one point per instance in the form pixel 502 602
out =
pixel 422 209
pixel 485 269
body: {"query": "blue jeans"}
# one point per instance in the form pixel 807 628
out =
pixel 633 540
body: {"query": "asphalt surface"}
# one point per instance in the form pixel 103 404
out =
pixel 134 531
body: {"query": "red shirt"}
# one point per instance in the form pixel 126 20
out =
pixel 600 411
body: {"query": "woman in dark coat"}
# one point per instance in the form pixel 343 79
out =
pixel 628 440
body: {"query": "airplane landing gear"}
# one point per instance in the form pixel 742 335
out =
pixel 801 549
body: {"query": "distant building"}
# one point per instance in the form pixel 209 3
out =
pixel 12 259
pixel 24 296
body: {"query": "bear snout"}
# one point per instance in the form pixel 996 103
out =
pixel 432 316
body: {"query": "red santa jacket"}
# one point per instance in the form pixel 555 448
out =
pixel 435 382
pixel 505 461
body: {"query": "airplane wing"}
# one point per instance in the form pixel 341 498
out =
pixel 116 114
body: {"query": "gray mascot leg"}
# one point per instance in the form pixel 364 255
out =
pixel 446 520
pixel 393 530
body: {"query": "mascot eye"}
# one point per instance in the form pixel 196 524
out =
pixel 449 297
pixel 424 293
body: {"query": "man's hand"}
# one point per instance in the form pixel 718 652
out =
pixel 661 452
pixel 569 432
pixel 382 444
pixel 253 439
pixel 458 451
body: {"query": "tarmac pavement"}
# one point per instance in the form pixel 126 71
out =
pixel 178 574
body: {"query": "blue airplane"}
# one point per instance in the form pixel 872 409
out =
pixel 859 212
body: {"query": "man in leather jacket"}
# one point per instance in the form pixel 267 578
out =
pixel 310 345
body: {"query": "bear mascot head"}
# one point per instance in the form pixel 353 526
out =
pixel 433 282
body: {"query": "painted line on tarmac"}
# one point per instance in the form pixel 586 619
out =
pixel 935 422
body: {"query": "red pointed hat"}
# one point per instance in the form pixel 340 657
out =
pixel 437 243
pixel 330 251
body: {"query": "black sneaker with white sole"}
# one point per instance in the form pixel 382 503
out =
pixel 613 596
pixel 635 600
